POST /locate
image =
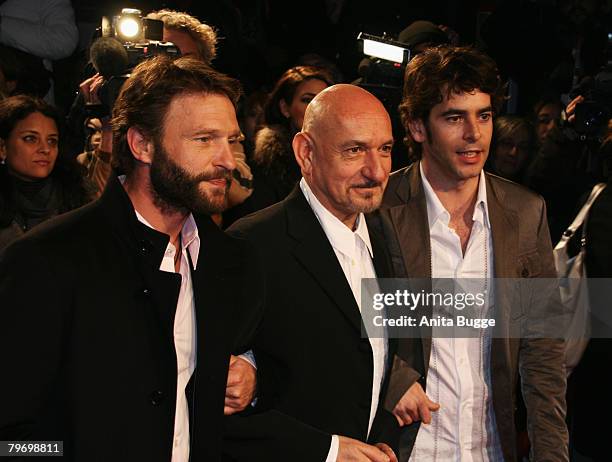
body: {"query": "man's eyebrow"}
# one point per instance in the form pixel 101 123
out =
pixel 213 132
pixel 351 143
pixel 457 111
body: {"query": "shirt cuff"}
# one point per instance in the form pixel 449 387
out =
pixel 332 455
pixel 249 357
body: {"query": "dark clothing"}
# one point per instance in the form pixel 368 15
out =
pixel 315 370
pixel 522 248
pixel 275 171
pixel 559 172
pixel 86 331
pixel 590 425
pixel 25 204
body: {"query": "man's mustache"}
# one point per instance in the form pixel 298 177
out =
pixel 217 174
pixel 368 184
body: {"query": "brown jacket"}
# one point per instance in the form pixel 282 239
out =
pixel 522 249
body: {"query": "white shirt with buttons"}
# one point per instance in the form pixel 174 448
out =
pixel 459 376
pixel 354 252
pixel 185 334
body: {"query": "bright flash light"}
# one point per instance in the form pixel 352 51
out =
pixel 383 51
pixel 129 27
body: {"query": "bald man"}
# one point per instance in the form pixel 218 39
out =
pixel 319 381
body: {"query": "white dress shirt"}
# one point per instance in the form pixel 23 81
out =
pixel 185 335
pixel 354 252
pixel 459 376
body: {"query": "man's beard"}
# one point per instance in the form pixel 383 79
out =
pixel 175 190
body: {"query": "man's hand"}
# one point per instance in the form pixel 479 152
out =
pixel 387 450
pixel 241 383
pixel 570 110
pixel 89 89
pixel 350 450
pixel 415 405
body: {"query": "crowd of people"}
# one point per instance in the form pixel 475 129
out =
pixel 181 266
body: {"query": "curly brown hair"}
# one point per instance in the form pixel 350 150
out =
pixel 439 72
pixel 202 34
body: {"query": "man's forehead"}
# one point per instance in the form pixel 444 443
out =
pixel 202 109
pixel 463 95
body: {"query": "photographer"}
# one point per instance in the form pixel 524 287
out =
pixel 564 169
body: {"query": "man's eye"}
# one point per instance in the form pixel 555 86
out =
pixel 355 150
pixel 29 138
pixel 486 116
pixel 53 141
pixel 204 139
pixel 453 119
pixel 387 148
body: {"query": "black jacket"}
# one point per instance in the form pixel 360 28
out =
pixel 86 334
pixel 314 368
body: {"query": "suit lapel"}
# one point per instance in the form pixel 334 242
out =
pixel 504 230
pixel 411 226
pixel 382 259
pixel 315 253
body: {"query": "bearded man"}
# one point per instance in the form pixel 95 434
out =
pixel 106 311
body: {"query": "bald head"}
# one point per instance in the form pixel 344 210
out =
pixel 344 150
pixel 337 102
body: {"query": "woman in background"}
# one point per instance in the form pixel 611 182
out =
pixel 275 171
pixel 513 147
pixel 36 182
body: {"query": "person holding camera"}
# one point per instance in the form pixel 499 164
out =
pixel 565 168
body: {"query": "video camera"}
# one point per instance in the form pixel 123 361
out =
pixel 592 115
pixel 124 41
pixel 385 60
pixel 382 74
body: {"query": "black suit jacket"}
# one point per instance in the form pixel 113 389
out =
pixel 522 249
pixel 314 368
pixel 86 334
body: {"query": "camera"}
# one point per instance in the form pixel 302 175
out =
pixel 385 60
pixel 592 115
pixel 124 41
pixel 382 74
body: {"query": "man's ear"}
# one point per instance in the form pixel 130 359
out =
pixel 417 130
pixel 140 145
pixel 302 148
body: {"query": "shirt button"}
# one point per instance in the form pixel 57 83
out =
pixel 157 397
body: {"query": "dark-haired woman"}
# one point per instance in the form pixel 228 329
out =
pixel 275 170
pixel 36 183
pixel 513 147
